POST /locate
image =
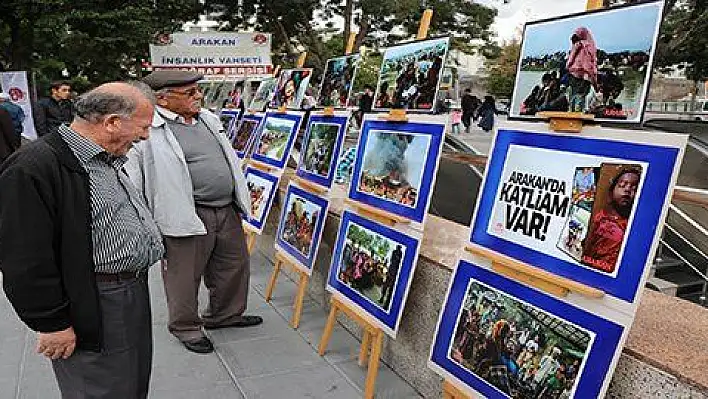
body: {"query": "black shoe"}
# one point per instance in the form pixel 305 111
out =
pixel 202 345
pixel 244 321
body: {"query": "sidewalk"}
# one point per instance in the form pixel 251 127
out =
pixel 268 361
pixel 477 139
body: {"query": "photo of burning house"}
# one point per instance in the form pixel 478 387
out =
pixel 393 166
pixel 581 63
pixel 338 81
pixel 410 75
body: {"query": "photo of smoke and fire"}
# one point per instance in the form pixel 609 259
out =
pixel 393 166
pixel 523 351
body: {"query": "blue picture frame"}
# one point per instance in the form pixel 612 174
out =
pixel 657 179
pixel 307 261
pixel 324 181
pixel 258 119
pixel 388 319
pixel 434 132
pixel 257 223
pixel 601 351
pixel 234 115
pixel 279 162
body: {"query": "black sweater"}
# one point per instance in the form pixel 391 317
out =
pixel 45 241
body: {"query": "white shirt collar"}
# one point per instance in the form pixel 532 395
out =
pixel 167 114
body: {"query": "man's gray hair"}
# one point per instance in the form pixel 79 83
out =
pixel 102 101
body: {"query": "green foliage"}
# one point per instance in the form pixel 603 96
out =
pixel 683 38
pixel 501 71
pixel 373 243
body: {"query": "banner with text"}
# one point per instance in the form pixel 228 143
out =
pixel 15 85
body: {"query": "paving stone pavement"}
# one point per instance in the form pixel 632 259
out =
pixel 268 361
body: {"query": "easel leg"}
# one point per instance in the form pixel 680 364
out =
pixel 373 364
pixel 250 242
pixel 364 350
pixel 331 319
pixel 273 278
pixel 298 300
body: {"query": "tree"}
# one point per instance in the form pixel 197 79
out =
pixel 502 71
pixel 682 40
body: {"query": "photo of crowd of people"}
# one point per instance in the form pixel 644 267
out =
pixel 338 81
pixel 290 90
pixel 581 64
pixel 393 166
pixel 274 138
pixel 299 223
pixel 319 148
pixel 244 134
pixel 370 264
pixel 260 189
pixel 263 95
pixel 410 75
pixel 522 351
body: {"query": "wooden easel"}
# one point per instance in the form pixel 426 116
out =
pixel 250 238
pixel 451 391
pixel 280 261
pixel 264 167
pixel 371 340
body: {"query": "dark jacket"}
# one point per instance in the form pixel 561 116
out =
pixel 50 113
pixel 9 139
pixel 365 102
pixel 45 241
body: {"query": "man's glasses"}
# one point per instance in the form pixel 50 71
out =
pixel 189 92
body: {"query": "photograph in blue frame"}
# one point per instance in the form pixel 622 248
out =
pixel 246 134
pixel 262 187
pixel 396 165
pixel 372 267
pixel 624 282
pixel 229 120
pixel 496 365
pixel 276 138
pixel 301 223
pixel 321 147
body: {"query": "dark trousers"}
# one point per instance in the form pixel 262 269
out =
pixel 122 369
pixel 466 119
pixel 221 257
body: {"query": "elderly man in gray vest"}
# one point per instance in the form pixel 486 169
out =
pixel 194 186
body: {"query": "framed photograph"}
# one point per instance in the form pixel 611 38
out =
pixel 321 147
pixel 410 75
pixel 372 268
pixel 396 164
pixel 262 187
pixel 277 137
pixel 263 95
pixel 502 339
pixel 246 134
pixel 300 228
pixel 338 81
pixel 587 207
pixel 291 87
pixel 579 63
pixel 229 119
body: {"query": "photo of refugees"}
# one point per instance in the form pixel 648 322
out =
pixel 617 189
pixel 263 95
pixel 370 264
pixel 393 166
pixel 243 135
pixel 582 64
pixel 260 189
pixel 274 138
pixel 583 197
pixel 291 87
pixel 519 349
pixel 299 223
pixel 319 148
pixel 338 81
pixel 410 75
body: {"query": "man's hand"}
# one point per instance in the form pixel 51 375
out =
pixel 56 345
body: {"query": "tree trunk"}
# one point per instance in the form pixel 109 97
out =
pixel 347 22
pixel 21 43
pixel 363 31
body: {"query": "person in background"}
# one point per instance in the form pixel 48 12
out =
pixel 365 103
pixel 582 68
pixel 469 104
pixel 16 112
pixel 195 188
pixel 456 119
pixel 9 140
pixel 51 112
pixel 486 113
pixel 76 241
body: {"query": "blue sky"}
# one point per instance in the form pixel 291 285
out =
pixel 623 29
